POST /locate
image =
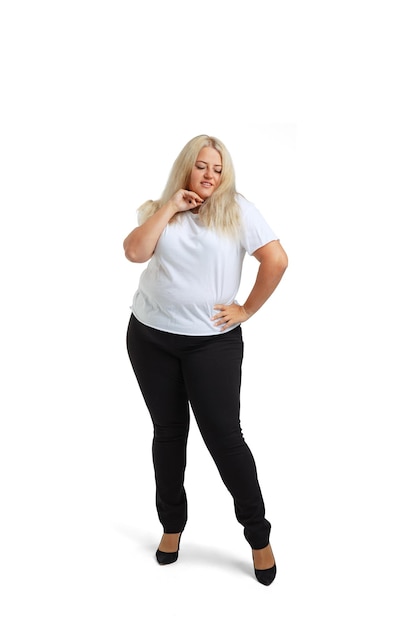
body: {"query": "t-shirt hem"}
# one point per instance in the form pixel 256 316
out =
pixel 177 332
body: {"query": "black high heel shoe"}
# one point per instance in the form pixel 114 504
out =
pixel 266 576
pixel 166 558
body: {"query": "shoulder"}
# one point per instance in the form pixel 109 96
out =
pixel 244 204
pixel 256 231
pixel 249 212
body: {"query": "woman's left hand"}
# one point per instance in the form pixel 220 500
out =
pixel 229 315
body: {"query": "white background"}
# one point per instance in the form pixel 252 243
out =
pixel 316 102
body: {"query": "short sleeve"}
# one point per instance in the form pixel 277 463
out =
pixel 256 231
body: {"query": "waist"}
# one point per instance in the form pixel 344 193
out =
pixel 174 317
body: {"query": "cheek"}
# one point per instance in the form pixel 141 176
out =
pixel 191 181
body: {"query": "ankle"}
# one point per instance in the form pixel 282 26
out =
pixel 169 542
pixel 264 558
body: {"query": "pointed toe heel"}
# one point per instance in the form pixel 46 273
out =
pixel 166 558
pixel 266 576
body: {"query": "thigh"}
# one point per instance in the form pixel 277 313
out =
pixel 158 372
pixel 212 375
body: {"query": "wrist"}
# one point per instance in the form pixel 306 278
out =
pixel 170 208
pixel 246 311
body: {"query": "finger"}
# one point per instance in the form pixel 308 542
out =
pixel 193 195
pixel 219 315
pixel 224 321
pixel 220 323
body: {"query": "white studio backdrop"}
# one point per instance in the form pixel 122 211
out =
pixel 316 105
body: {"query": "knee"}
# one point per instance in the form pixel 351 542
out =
pixel 221 443
pixel 171 433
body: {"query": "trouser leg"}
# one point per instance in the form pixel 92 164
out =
pixel 158 373
pixel 212 375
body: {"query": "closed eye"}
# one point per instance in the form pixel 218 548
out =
pixel 201 165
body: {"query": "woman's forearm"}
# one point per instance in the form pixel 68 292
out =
pixel 140 244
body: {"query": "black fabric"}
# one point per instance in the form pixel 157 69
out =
pixel 175 372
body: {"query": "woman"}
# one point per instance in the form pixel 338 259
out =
pixel 184 336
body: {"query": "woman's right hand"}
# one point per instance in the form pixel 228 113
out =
pixel 184 200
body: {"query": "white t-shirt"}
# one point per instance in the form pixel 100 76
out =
pixel 194 268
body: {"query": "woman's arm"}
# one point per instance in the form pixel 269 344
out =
pixel 273 262
pixel 140 244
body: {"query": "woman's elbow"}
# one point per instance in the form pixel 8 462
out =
pixel 135 255
pixel 282 261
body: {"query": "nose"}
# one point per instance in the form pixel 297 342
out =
pixel 208 173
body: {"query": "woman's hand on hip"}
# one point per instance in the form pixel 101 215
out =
pixel 229 315
pixel 184 200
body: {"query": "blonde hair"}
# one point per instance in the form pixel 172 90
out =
pixel 221 211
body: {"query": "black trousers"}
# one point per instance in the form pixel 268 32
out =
pixel 175 372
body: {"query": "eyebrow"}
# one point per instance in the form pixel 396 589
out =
pixel 205 163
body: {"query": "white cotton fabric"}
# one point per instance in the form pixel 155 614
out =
pixel 194 268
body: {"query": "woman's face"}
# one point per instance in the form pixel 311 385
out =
pixel 206 173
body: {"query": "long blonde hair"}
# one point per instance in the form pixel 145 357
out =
pixel 221 211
